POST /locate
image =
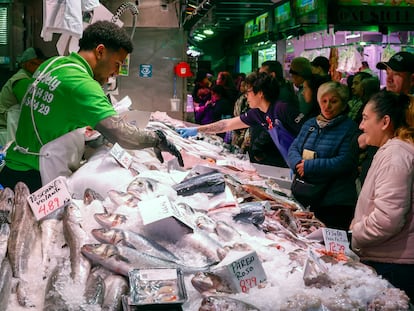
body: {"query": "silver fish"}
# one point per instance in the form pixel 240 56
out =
pixel 6 204
pixel 201 244
pixel 75 236
pixel 4 239
pixel 145 188
pixel 122 259
pixel 223 303
pixel 5 283
pixel 207 282
pixel 133 240
pixel 133 223
pixel 115 287
pixel 226 232
pixel 54 299
pixel 123 198
pixel 95 285
pixel 22 231
pixel 49 231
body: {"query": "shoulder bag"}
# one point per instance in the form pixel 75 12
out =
pixel 303 191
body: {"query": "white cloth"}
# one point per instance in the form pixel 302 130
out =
pixel 89 5
pixel 62 16
pixel 62 156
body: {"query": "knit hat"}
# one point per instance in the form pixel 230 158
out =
pixel 400 62
pixel 300 66
pixel 30 54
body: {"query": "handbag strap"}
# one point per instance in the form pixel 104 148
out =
pixel 311 129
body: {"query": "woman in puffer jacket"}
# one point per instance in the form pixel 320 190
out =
pixel 325 153
pixel 383 226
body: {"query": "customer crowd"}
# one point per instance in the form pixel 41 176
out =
pixel 356 143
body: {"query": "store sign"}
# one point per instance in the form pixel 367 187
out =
pixel 145 71
pixel 370 15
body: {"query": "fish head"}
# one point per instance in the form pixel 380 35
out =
pixel 90 195
pixel 99 251
pixel 110 220
pixel 73 213
pixel 6 200
pixel 106 235
pixel 141 186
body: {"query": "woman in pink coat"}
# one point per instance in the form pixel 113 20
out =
pixel 383 225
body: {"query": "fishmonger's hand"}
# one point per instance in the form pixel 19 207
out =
pixel 165 145
pixel 186 132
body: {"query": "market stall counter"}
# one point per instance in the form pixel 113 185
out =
pixel 218 234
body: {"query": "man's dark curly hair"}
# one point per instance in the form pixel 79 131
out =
pixel 107 33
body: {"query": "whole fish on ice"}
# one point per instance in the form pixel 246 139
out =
pixel 122 259
pixel 5 283
pixel 75 237
pixel 115 287
pixel 223 303
pixel 6 204
pixel 133 240
pixel 22 231
pixel 145 188
pixel 211 182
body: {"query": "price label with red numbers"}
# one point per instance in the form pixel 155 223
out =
pixel 335 240
pixel 49 198
pixel 121 155
pixel 245 270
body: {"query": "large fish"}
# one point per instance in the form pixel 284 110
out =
pixel 49 229
pixel 201 244
pixel 54 291
pixel 4 239
pixel 133 240
pixel 123 198
pixel 211 182
pixel 122 259
pixel 125 222
pixel 95 285
pixel 5 283
pixel 22 231
pixel 145 188
pixel 115 287
pixel 6 204
pixel 223 303
pixel 76 237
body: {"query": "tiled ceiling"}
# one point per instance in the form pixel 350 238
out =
pixel 223 16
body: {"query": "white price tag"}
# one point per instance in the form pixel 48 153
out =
pixel 155 209
pixel 244 270
pixel 49 198
pixel 335 240
pixel 121 155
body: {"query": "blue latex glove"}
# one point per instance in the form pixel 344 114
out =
pixel 186 132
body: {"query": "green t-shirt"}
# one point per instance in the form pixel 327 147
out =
pixel 66 99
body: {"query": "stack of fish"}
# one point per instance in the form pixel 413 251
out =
pixel 79 258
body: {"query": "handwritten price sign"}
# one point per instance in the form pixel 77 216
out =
pixel 49 198
pixel 335 240
pixel 123 157
pixel 246 272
